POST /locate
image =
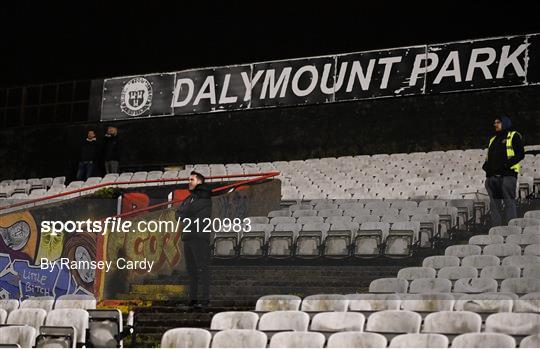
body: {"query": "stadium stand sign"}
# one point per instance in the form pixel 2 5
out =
pixel 415 70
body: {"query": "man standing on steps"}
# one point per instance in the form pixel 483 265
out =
pixel 502 167
pixel 196 240
pixel 111 150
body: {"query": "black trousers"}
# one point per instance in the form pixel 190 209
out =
pixel 197 257
pixel 502 195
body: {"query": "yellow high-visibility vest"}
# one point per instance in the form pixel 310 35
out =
pixel 509 150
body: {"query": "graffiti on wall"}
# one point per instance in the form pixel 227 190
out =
pixel 21 249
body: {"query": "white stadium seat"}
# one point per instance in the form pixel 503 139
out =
pixel 278 302
pixel 419 340
pixel 239 339
pixel 513 323
pixel 19 336
pixel 325 302
pixel 394 321
pixel 234 320
pixel 337 321
pixel 284 320
pixel 355 339
pixel 483 340
pixel 186 338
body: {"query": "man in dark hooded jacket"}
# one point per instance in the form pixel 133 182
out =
pixel 193 210
pixel 502 168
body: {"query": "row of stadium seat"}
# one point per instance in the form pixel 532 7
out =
pixel 200 338
pixel 446 175
pixel 478 294
pixel 423 303
pixel 73 321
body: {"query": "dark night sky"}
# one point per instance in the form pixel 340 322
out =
pixel 45 42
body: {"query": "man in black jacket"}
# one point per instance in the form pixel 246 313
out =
pixel 193 211
pixel 87 157
pixel 502 167
pixel 111 150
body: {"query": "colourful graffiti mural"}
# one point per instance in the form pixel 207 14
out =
pixel 22 247
pixel 162 247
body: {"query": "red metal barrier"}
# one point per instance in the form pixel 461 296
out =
pixel 108 184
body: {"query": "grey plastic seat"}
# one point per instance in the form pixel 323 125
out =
pixel 521 261
pixel 452 322
pixel 76 318
pixel 430 285
pixel 532 341
pixel 278 302
pixel 461 251
pixel 281 240
pixel 234 320
pixel 520 285
pixel 475 285
pixel 297 340
pixel 373 301
pixel 419 340
pixel 528 303
pixel 304 213
pixel 239 339
pixel 479 262
pixel 46 303
pixel 394 321
pixel 258 220
pixel 21 336
pixel 500 272
pixel 369 238
pixel 523 239
pixel 502 250
pixel 483 340
pixel 388 285
pixel 338 239
pixel 9 304
pixel 325 302
pixel 401 237
pixel 454 273
pixel 338 321
pixel 33 317
pixel 282 220
pixel 355 339
pixel 531 271
pixel 427 302
pixel 532 214
pixel 535 229
pixel 186 338
pixel 284 320
pixel 513 323
pixel 330 213
pixel 524 222
pixel 412 273
pixel 532 250
pixel 483 240
pixel 439 262
pixel 504 230
pixel 310 239
pixel 489 302
pixel 279 213
pixel 75 301
pixel 251 242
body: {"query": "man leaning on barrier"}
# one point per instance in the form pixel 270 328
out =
pixel 196 241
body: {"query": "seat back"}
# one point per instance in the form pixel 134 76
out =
pixel 239 339
pixel 186 338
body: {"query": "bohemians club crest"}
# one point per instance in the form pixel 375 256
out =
pixel 136 96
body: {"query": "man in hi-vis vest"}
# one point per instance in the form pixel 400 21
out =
pixel 502 168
